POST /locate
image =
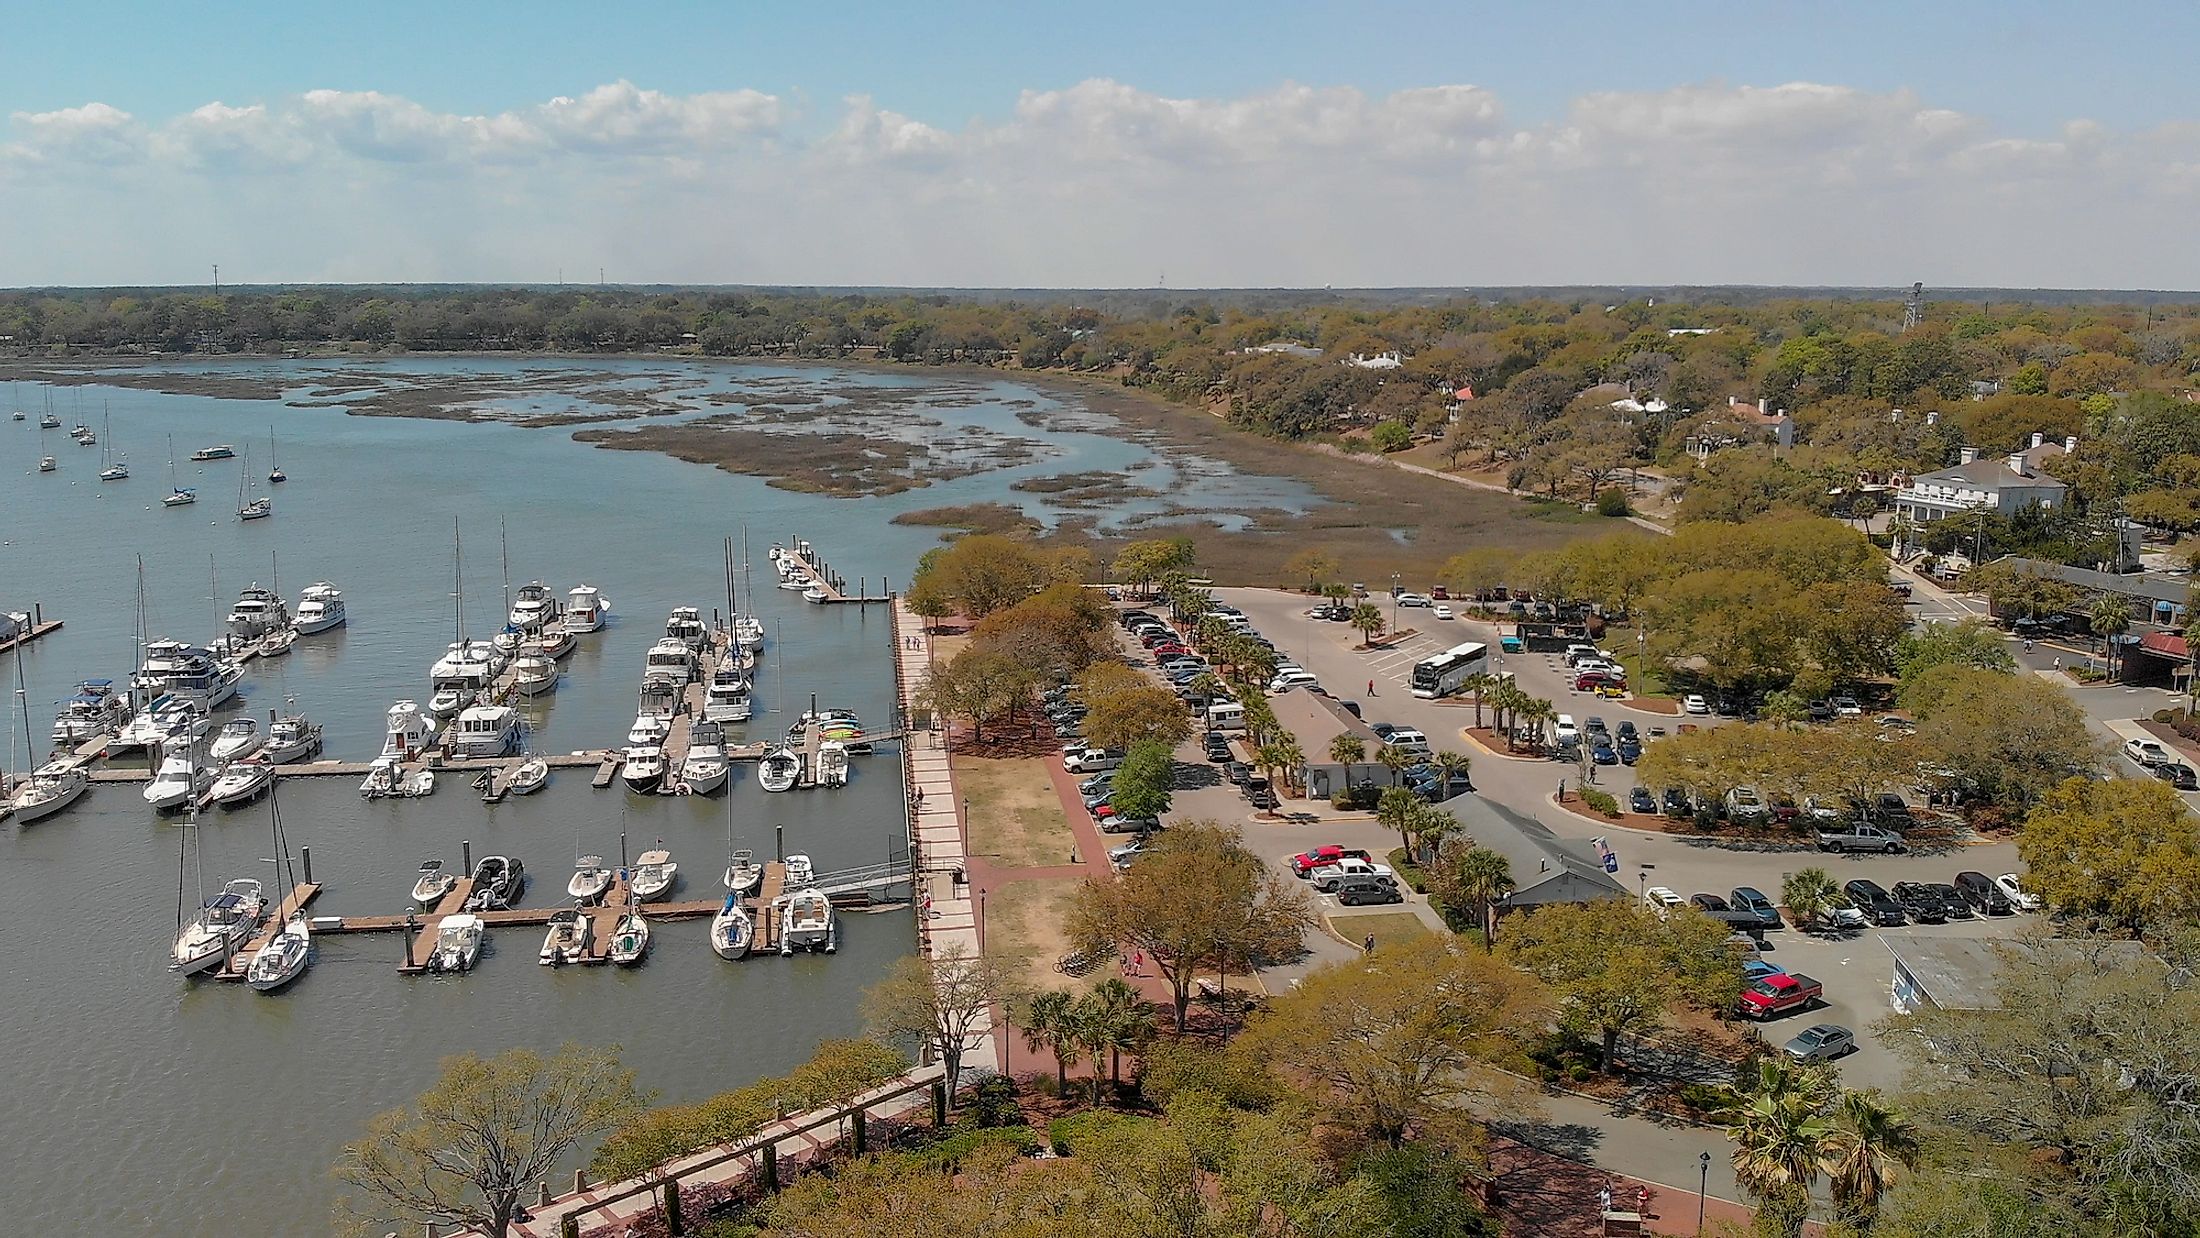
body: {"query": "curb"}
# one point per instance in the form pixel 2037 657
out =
pixel 1469 736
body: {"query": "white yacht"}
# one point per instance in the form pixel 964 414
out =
pixel 176 669
pixel 779 769
pixel 705 768
pixel 47 464
pixel 743 873
pixel 221 452
pixel 289 738
pixel 48 790
pixel 643 768
pixel 832 764
pixel 686 626
pixel 238 739
pixel 727 698
pixel 257 612
pixel 284 957
pixel 457 943
pixel 806 923
pixel 651 877
pixel 532 607
pixel 410 732
pixel 591 877
pixel 466 667
pixel 650 729
pixel 535 674
pixel 278 642
pixel 585 609
pixel 167 720
pixel 670 661
pixel 382 779
pixel 224 923
pixel 800 872
pixel 629 938
pixel 748 632
pixel 95 710
pixel 242 783
pixel 417 783
pixel 320 607
pixel 568 938
pixel 552 642
pixel 487 731
pixel 177 782
pixel 731 930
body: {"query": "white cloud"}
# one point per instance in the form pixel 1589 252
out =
pixel 1103 183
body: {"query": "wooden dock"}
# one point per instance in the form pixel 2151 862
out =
pixel 358 769
pixel 37 629
pixel 298 899
pixel 832 585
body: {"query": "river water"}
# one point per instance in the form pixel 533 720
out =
pixel 140 1102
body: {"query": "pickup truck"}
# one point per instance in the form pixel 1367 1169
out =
pixel 1859 836
pixel 1327 878
pixel 1769 997
pixel 1305 863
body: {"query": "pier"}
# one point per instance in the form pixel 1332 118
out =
pixel 298 899
pixel 38 626
pixel 501 766
pixel 831 584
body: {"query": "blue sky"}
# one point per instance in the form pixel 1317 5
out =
pixel 1904 115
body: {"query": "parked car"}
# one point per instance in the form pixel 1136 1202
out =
pixel 1982 894
pixel 1083 760
pixel 1662 899
pixel 1640 800
pixel 1360 890
pixel 2145 753
pixel 1859 836
pixel 1218 747
pixel 1603 753
pixel 1306 862
pixel 1442 611
pixel 1958 907
pixel 1098 782
pixel 1891 809
pixel 1122 855
pixel 2013 890
pixel 1822 1043
pixel 2178 774
pixel 1920 903
pixel 1287 680
pixel 1564 732
pixel 1237 772
pixel 1750 899
pixel 1709 902
pixel 1846 706
pixel 1329 877
pixel 1264 799
pixel 1878 906
pixel 1407 739
pixel 1628 747
pixel 1758 969
pixel 1744 804
pixel 1415 599
pixel 1820 711
pixel 1771 996
pixel 1695 704
pixel 1676 803
pixel 1129 825
pixel 1592 681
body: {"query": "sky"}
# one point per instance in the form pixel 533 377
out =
pixel 1201 144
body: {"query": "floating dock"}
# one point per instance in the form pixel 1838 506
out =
pixel 299 898
pixel 831 584
pixel 39 627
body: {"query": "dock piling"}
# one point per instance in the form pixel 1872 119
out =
pixel 779 842
pixel 305 862
pixel 466 857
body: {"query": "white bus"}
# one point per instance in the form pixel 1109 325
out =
pixel 1442 674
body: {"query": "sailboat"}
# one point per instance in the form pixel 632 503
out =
pixel 275 474
pixel 630 939
pixel 111 467
pixel 249 506
pixel 46 462
pixel 732 930
pixel 177 495
pixel 284 957
pixel 210 936
pixel 47 789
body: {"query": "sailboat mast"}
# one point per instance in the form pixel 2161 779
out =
pixel 458 585
pixel 504 543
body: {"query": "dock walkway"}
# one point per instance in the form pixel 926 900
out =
pixel 830 585
pixel 300 896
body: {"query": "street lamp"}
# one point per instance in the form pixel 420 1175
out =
pixel 1703 1187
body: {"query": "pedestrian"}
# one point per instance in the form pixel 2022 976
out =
pixel 1138 963
pixel 1561 790
pixel 920 798
pixel 2058 662
pixel 1604 1196
pixel 2028 645
pixel 1368 946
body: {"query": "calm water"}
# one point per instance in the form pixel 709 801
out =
pixel 136 1099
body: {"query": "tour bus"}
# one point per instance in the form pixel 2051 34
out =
pixel 1442 674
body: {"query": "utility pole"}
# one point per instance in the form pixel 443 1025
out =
pixel 217 279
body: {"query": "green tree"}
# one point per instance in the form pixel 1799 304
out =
pixel 941 1001
pixel 488 1130
pixel 1120 1021
pixel 2010 736
pixel 1348 750
pixel 2109 619
pixel 1620 965
pixel 2125 851
pixel 1142 713
pixel 1143 563
pixel 1367 620
pixel 1390 436
pixel 1811 896
pixel 1312 565
pixel 1396 810
pixel 1873 1143
pixel 1782 1135
pixel 1145 782
pixel 1971 642
pixel 1474 879
pixel 1048 1022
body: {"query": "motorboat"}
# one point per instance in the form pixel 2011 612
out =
pixel 84 435
pixel 418 783
pixel 800 872
pixel 47 464
pixel 498 882
pixel 806 923
pixel 278 642
pixel 320 607
pixel 686 626
pixel 486 731
pixel 643 768
pixel 223 924
pixel 671 661
pixel 174 668
pixel 242 783
pixel 748 632
pixel 650 729
pixel 590 879
pixel 508 640
pixel 552 642
pixel 221 451
pixel 256 509
pixel 257 612
pixel 290 737
pixel 705 768
pixel 832 764
pixel 568 938
pixel 794 581
pixel 652 875
pixel 178 781
pixel 409 731
pixel 630 938
pixel 532 607
pixel 531 776
pixel 284 957
pixel 535 674
pixel 464 670
pixel 48 790
pixel 382 778
pixel 586 608
pixel 434 882
pixel 779 769
pixel 816 593
pixel 727 698
pixel 167 720
pixel 95 710
pixel 731 930
pixel 743 873
pixel 238 739
pixel 449 699
pixel 457 943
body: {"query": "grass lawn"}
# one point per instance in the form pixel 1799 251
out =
pixel 1015 816
pixel 1386 925
pixel 1023 931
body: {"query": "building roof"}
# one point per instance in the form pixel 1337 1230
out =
pixel 2168 644
pixel 2137 585
pixel 1988 473
pixel 1957 973
pixel 1545 867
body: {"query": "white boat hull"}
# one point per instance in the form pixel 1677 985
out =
pixel 732 932
pixel 314 627
pixel 29 809
pixel 527 781
pixel 230 792
pixel 709 778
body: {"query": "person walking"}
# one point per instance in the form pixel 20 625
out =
pixel 1371 687
pixel 1368 947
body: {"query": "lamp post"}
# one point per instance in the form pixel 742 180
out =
pixel 1703 1187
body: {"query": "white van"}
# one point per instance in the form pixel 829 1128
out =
pixel 1091 760
pixel 1292 677
pixel 1409 740
pixel 1226 716
pixel 1565 732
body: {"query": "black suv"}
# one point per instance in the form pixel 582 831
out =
pixel 1953 900
pixel 1919 900
pixel 1878 906
pixel 1983 895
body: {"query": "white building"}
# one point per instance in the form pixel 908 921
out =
pixel 1380 361
pixel 2003 485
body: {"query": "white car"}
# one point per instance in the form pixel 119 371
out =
pixel 1663 899
pixel 1695 704
pixel 1286 680
pixel 1415 599
pixel 2145 752
pixel 1443 612
pixel 1563 730
pixel 2019 897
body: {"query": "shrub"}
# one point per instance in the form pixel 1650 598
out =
pixel 1067 1133
pixel 993 1103
pixel 1602 801
pixel 1705 1097
pixel 1390 436
pixel 1580 1073
pixel 1173 1066
pixel 948 1154
pixel 1412 874
pixel 2165 716
pixel 1612 501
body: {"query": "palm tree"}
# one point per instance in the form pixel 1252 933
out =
pixel 1873 1143
pixel 1291 759
pixel 1477 684
pixel 1396 760
pixel 1271 757
pixel 1347 750
pixel 1453 766
pixel 1810 894
pixel 1088 1035
pixel 1781 1136
pixel 1368 619
pixel 2110 618
pixel 1395 809
pixel 1122 1022
pixel 1336 591
pixel 1050 1023
pixel 1484 878
pixel 1537 712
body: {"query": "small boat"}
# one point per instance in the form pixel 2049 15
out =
pixel 800 872
pixel 224 923
pixel 590 879
pixel 382 778
pixel 705 768
pixel 532 607
pixel 179 497
pixel 95 710
pixel 535 674
pixel 164 722
pixel 83 435
pixel 289 738
pixel 748 632
pixel 419 783
pixel 567 940
pixel 779 769
pixel 242 782
pixel 743 873
pixel 832 764
pixel 816 593
pixel 498 881
pixel 221 452
pixel 47 791
pixel 806 923
pixel 257 509
pixel 630 939
pixel 652 875
pixel 585 609
pixel 434 882
pixel 257 612
pixel 238 739
pixel 686 626
pixel 409 731
pixel 275 474
pixel 114 472
pixel 731 930
pixel 796 583
pixel 457 944
pixel 47 464
pixel 552 642
pixel 284 958
pixel 486 731
pixel 178 780
pixel 727 698
pixel 278 642
pixel 449 699
pixel 49 422
pixel 650 729
pixel 643 769
pixel 320 607
pixel 531 776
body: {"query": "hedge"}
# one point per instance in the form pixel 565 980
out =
pixel 1067 1133
pixel 1602 801
pixel 947 1155
pixel 1413 875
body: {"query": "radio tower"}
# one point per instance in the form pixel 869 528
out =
pixel 1913 310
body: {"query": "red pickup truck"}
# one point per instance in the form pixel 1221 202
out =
pixel 1304 863
pixel 1769 997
